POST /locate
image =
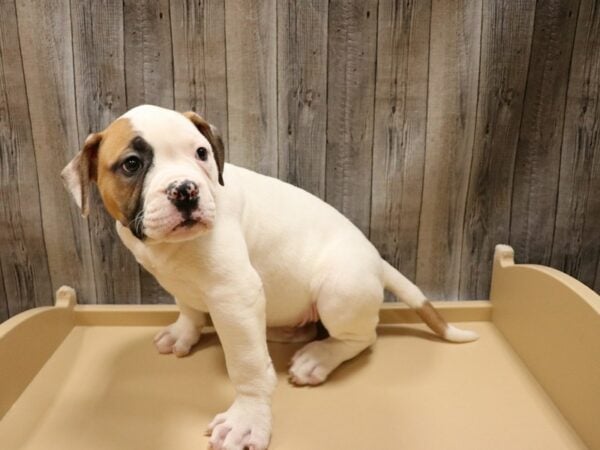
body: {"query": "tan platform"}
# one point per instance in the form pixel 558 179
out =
pixel 88 377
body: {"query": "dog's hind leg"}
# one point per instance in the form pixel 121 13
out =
pixel 349 310
pixel 179 337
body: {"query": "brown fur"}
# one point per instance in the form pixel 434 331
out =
pixel 118 195
pixel 211 133
pixel 432 318
pixel 103 151
pixel 94 163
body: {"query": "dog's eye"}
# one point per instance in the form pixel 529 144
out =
pixel 202 153
pixel 131 165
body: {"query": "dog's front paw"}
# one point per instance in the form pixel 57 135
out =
pixel 178 338
pixel 245 425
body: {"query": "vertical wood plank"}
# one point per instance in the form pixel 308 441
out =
pixel 101 98
pixel 536 176
pixel 302 93
pixel 452 102
pixel 352 48
pixel 199 63
pixel 45 36
pixel 576 245
pixel 399 130
pixel 507 29
pixel 148 53
pixel 4 312
pixel 596 285
pixel 251 35
pixel 23 262
pixel 148 79
pixel 151 292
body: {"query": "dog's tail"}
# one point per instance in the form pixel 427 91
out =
pixel 413 297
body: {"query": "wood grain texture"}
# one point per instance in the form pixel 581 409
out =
pixel 148 53
pixel 148 79
pixel 4 311
pixel 302 93
pixel 439 128
pixel 399 130
pixel 45 35
pixel 199 62
pixel 151 292
pixel 452 104
pixel 596 285
pixel 251 35
pixel 576 244
pixel 505 45
pixel 23 260
pixel 536 176
pixel 352 51
pixel 100 91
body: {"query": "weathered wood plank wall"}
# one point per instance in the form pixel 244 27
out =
pixel 23 256
pixel 400 127
pixel 454 47
pixel 440 128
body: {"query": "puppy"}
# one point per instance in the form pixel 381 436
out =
pixel 250 250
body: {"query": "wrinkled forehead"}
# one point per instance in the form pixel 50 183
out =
pixel 166 131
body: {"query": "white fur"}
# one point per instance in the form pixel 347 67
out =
pixel 454 334
pixel 273 254
pixel 72 182
pixel 174 140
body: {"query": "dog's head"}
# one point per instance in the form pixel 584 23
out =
pixel 157 171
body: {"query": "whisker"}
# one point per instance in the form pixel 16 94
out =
pixel 137 223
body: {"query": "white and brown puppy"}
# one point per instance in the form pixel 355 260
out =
pixel 251 250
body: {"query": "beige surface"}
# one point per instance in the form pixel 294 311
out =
pixel 107 388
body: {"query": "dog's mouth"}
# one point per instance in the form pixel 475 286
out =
pixel 186 223
pixel 186 228
pixel 192 223
pixel 172 226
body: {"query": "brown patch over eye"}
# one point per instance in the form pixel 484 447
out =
pixel 124 160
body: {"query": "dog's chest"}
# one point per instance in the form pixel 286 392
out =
pixel 175 271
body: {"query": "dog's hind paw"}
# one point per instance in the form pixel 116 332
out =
pixel 178 338
pixel 312 364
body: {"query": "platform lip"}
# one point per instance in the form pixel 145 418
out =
pixel 153 308
pixel 124 315
pixel 161 314
pixel 453 311
pixel 390 313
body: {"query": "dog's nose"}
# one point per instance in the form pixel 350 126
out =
pixel 183 194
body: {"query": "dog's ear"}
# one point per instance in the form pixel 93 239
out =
pixel 212 134
pixel 81 171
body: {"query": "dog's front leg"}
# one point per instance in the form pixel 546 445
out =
pixel 239 318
